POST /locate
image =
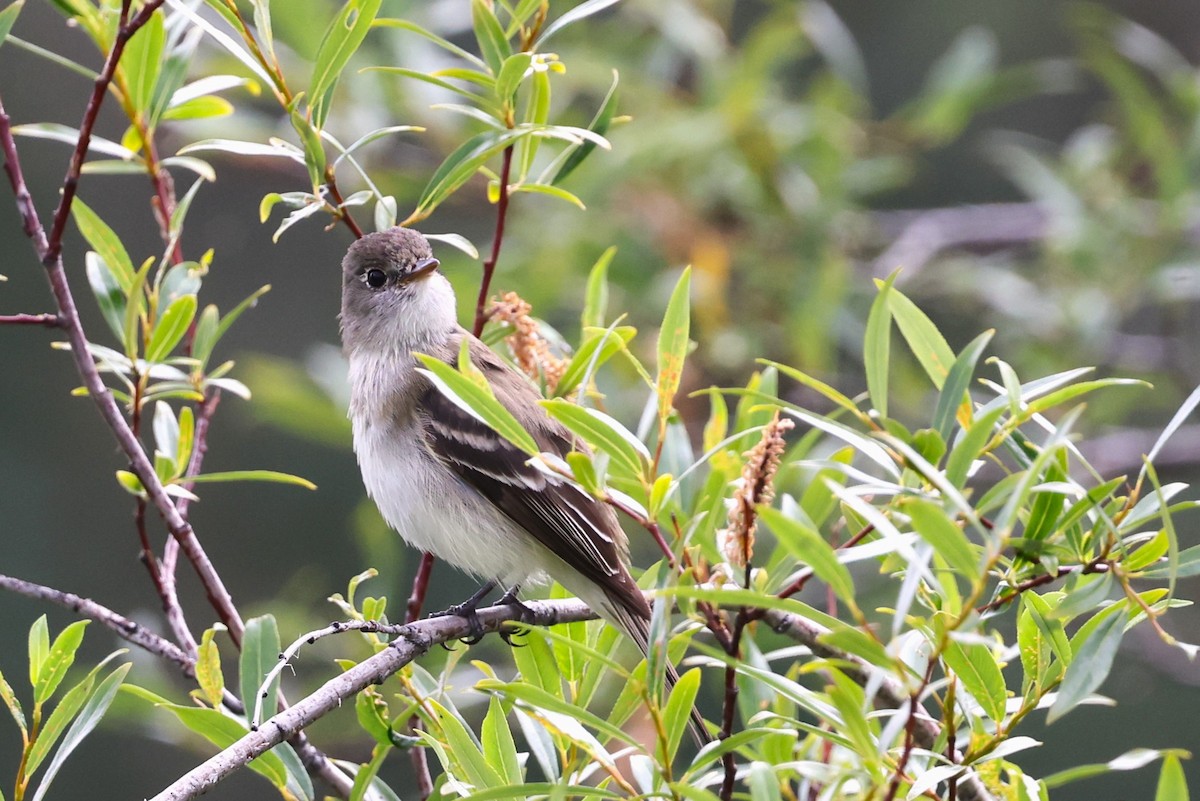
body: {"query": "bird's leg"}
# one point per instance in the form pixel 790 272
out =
pixel 524 613
pixel 466 610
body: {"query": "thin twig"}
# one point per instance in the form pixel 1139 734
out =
pixel 489 266
pixel 47 320
pixel 910 730
pixel 122 626
pixel 49 251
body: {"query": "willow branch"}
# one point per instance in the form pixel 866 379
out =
pixel 47 320
pixel 49 251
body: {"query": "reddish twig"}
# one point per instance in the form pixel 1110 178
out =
pixel 489 266
pixel 910 732
pixel 48 320
pixel 1095 566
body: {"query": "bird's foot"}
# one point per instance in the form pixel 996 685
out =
pixel 467 610
pixel 524 614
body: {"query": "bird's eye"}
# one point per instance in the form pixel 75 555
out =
pixel 376 278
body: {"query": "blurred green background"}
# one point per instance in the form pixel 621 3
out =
pixel 1031 166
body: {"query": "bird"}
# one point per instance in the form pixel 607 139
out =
pixel 447 482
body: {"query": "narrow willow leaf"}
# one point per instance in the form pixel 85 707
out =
pixel 814 384
pixel 509 77
pixel 601 431
pixel 8 16
pixel 231 317
pixel 1168 528
pixel 208 669
pixel 672 346
pixel 171 327
pixel 142 62
pixel 1094 654
pixel 342 39
pixel 595 304
pixel 58 660
pixel 458 167
pixel 877 347
pixel 922 336
pixel 493 44
pixel 936 527
pixel 166 431
pixel 223 731
pixel 89 716
pixel 970 447
pixel 39 647
pixel 598 347
pixel 585 9
pixel 1172 784
pixel 809 547
pixel 977 669
pixel 538 698
pixel 466 758
pixel 110 297
pixel 538 665
pixel 105 242
pixel 955 393
pixel 445 44
pixel 477 401
pixel 254 475
pixel 200 108
pixel 260 653
pixel 64 712
pixel 1041 612
pixel 499 748
pixel 13 704
pixel 599 125
pixel 679 708
pixel 135 311
pixel 552 191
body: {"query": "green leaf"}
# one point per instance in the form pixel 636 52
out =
pixel 223 731
pixel 342 39
pixel 87 719
pixel 935 526
pixel 955 394
pixel 673 346
pixel 107 290
pixel 8 16
pixel 371 711
pixel 599 125
pixel 679 708
pixel 135 309
pixel 538 698
pixel 477 401
pixel 977 669
pixel 254 475
pixel 510 75
pixel 200 108
pixel 208 669
pixel 1042 614
pixel 142 61
pixel 171 327
pixel 922 336
pixel 499 749
pixel 815 384
pixel 595 304
pixel 602 431
pixel 877 347
pixel 970 446
pixel 538 665
pixel 493 44
pixel 465 754
pixel 57 661
pixel 1094 652
pixel 1172 784
pixel 552 191
pixel 64 712
pixel 585 9
pixel 314 151
pixel 458 167
pixel 809 547
pixel 260 653
pixel 105 242
pixel 445 44
pixel 599 345
pixel 14 705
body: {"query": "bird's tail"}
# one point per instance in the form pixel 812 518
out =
pixel 637 628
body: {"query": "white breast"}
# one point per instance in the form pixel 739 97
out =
pixel 429 506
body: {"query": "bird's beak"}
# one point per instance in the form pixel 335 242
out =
pixel 422 270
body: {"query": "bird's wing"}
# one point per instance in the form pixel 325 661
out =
pixel 569 522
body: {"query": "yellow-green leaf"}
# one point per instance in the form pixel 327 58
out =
pixel 673 345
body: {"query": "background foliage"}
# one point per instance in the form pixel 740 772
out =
pixel 790 152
